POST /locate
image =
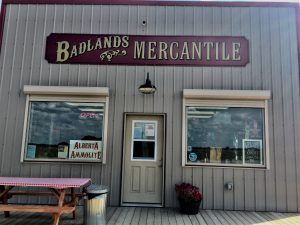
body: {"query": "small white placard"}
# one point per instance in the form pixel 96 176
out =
pixel 149 129
pixel 62 151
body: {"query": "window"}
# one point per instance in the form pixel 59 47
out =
pixel 65 124
pixel 225 128
pixel 144 140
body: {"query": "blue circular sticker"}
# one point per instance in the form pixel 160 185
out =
pixel 193 156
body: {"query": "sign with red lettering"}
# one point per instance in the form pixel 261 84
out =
pixel 147 50
pixel 85 150
pixel 89 115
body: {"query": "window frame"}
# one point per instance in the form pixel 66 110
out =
pixel 64 94
pixel 146 140
pixel 226 98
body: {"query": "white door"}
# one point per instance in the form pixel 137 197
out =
pixel 143 160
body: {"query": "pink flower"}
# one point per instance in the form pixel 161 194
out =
pixel 187 192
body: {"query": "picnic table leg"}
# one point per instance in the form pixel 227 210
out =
pixel 4 200
pixel 56 217
pixel 61 198
pixel 6 213
pixel 73 199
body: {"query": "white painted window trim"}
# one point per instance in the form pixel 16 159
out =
pixel 226 94
pixel 65 90
pixel 62 93
pixel 148 140
pixel 229 98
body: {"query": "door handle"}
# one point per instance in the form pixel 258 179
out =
pixel 160 163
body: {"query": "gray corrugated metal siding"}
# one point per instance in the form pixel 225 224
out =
pixel 273 66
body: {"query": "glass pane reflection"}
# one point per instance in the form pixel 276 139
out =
pixel 144 130
pixel 143 150
pixel 53 124
pixel 225 135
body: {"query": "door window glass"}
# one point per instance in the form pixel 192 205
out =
pixel 144 140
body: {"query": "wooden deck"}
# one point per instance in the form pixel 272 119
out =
pixel 161 216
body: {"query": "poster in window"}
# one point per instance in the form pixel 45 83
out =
pixel 252 151
pixel 31 150
pixel 83 150
pixel 149 130
pixel 63 151
pixel 138 133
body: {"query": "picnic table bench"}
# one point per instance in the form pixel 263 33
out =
pixel 57 187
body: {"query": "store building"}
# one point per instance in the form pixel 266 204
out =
pixel 225 107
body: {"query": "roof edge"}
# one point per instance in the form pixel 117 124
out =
pixel 157 3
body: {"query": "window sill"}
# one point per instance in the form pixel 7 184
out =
pixel 225 166
pixel 43 161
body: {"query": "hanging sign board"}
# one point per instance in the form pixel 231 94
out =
pixel 147 50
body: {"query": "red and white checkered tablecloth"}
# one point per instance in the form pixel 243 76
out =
pixel 58 183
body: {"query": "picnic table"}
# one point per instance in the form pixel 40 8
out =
pixel 60 188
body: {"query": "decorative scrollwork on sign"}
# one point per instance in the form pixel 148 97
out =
pixel 108 55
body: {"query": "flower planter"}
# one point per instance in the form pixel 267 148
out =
pixel 190 208
pixel 189 197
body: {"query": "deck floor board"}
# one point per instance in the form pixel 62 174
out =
pixel 159 216
pixel 136 216
pixel 227 218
